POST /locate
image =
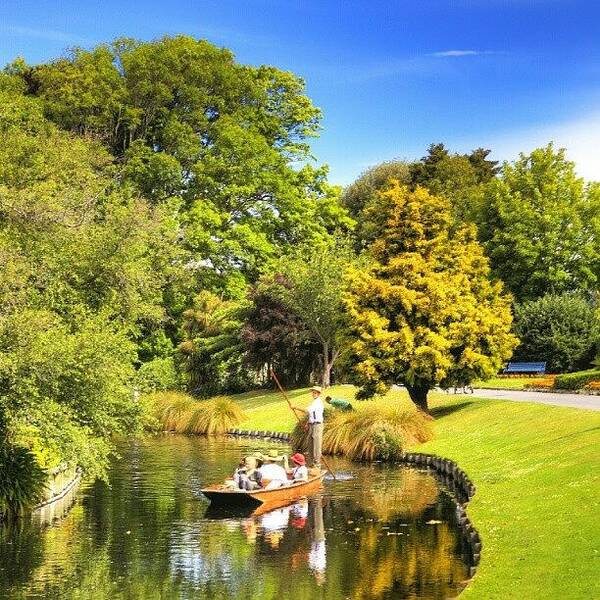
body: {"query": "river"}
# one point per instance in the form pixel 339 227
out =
pixel 379 532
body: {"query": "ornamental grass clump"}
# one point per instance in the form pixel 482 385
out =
pixel 213 417
pixel 183 414
pixel 372 433
pixel 171 409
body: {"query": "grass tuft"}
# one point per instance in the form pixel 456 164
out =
pixel 183 414
pixel 375 433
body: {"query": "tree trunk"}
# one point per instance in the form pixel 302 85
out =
pixel 418 394
pixel 327 364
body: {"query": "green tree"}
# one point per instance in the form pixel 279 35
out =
pixel 211 353
pixel 83 266
pixel 186 120
pixel 458 177
pixel 559 329
pixel 314 285
pixel 424 313
pixel 540 225
pixel 364 190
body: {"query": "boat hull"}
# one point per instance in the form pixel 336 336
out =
pixel 262 500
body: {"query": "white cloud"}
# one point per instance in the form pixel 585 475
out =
pixel 580 137
pixel 459 53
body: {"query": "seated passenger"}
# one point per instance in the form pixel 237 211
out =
pixel 247 475
pixel 300 470
pixel 272 475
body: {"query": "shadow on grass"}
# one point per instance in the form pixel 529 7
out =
pixel 444 411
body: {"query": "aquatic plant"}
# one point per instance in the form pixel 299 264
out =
pixel 181 413
pixel 21 480
pixel 372 433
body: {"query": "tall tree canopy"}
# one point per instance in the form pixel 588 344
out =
pixel 424 313
pixel 185 120
pixel 313 289
pixel 83 264
pixel 540 225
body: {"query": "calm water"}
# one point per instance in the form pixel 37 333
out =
pixel 380 532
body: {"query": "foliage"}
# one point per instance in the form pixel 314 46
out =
pixel 457 177
pixel 182 414
pixel 186 120
pixel 157 375
pixel 576 381
pixel 21 480
pixel 314 284
pixel 374 433
pixel 559 329
pixel 169 408
pixel 275 337
pixel 424 313
pixel 540 224
pixel 83 265
pixel 213 417
pixel 211 352
pixel 358 195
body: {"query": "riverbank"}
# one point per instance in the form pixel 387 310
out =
pixel 536 471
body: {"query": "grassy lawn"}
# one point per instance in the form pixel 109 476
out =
pixel 537 470
pixel 504 383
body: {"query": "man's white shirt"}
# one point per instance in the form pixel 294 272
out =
pixel 315 411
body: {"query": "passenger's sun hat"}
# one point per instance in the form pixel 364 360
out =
pixel 298 459
pixel 272 455
pixel 316 388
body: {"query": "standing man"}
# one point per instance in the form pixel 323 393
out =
pixel 315 426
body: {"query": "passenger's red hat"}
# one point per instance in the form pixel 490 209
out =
pixel 299 459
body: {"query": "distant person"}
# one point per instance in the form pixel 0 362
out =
pixel 315 425
pixel 339 403
pixel 272 475
pixel 299 471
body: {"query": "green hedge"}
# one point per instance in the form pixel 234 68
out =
pixel 575 381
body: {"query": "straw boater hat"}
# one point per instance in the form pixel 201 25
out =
pixel 316 388
pixel 272 456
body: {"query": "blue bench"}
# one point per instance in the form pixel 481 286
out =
pixel 526 367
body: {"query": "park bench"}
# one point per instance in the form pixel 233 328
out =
pixel 538 368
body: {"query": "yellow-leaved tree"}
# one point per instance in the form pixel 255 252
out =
pixel 424 312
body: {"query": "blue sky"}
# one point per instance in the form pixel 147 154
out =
pixel 390 76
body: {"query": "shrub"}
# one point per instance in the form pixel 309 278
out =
pixel 559 329
pixel 575 381
pixel 213 417
pixel 21 480
pixel 372 433
pixel 181 413
pixel 170 408
pixel 157 375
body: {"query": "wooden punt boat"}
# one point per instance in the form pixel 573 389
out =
pixel 262 500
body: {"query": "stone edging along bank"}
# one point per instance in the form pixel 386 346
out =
pixel 447 470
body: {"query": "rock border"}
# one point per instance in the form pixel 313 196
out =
pixel 451 475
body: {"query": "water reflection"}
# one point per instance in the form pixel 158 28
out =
pixel 384 533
